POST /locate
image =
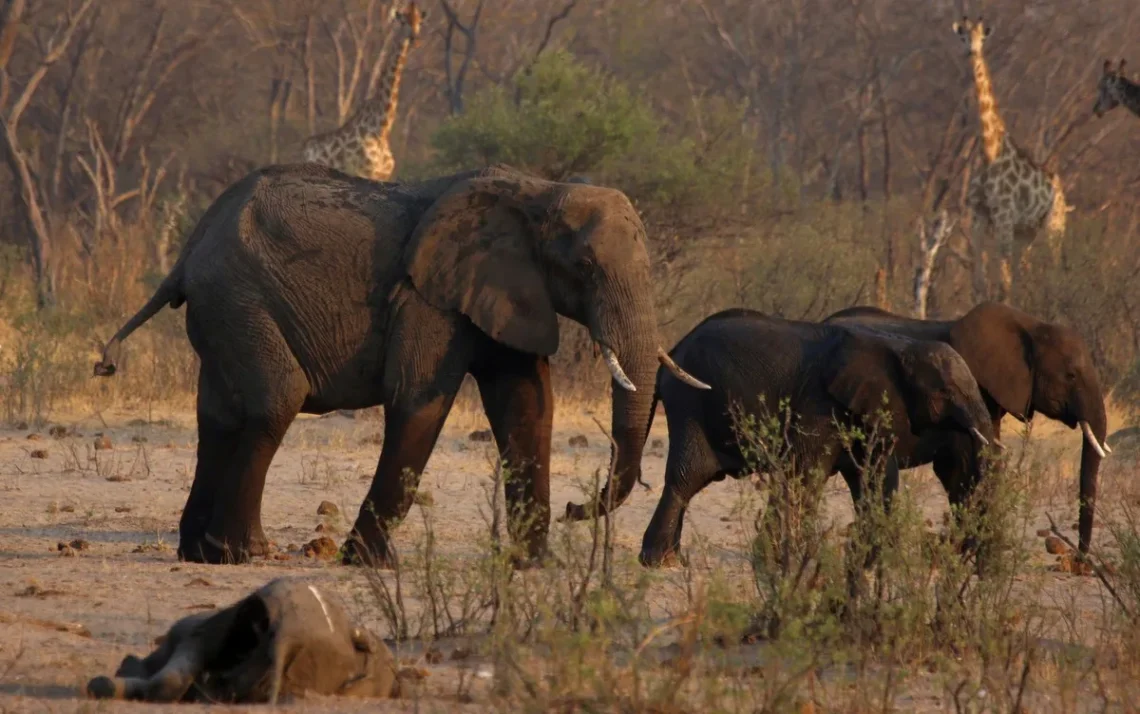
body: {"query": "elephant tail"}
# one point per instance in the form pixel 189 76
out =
pixel 168 293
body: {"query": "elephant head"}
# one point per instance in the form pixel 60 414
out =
pixel 926 384
pixel 512 252
pixel 285 639
pixel 1028 366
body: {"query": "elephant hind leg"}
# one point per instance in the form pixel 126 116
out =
pixel 519 403
pixel 250 390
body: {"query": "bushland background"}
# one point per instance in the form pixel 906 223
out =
pixel 785 155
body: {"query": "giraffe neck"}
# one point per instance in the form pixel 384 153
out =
pixel 993 128
pixel 385 102
pixel 1128 94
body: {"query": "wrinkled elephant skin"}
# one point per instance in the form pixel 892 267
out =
pixel 309 291
pixel 1024 366
pixel 829 376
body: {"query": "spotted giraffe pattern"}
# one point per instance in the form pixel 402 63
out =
pixel 1012 194
pixel 361 146
pixel 1116 90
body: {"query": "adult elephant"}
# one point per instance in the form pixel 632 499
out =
pixel 1023 366
pixel 830 376
pixel 308 290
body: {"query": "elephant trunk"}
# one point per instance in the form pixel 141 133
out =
pixel 1094 426
pixel 630 345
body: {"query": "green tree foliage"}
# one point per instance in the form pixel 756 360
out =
pixel 564 118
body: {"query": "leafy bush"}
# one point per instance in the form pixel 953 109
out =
pixel 564 118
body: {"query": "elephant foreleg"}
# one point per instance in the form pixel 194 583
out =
pixel 519 402
pixel 410 433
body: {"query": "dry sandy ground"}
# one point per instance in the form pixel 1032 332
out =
pixel 64 619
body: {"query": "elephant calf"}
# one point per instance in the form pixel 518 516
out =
pixel 286 639
pixel 830 375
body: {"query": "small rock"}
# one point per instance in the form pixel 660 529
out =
pixel 79 544
pixel 122 509
pixel 58 431
pixel 1067 563
pixel 579 441
pixel 38 454
pixel 323 548
pixel 327 508
pixel 33 437
pixel 118 478
pixel 725 519
pixel 657 443
pixel 176 568
pixel 201 582
pixel 433 656
pixel 67 509
pixel 139 439
pixel 460 653
pixel 1055 546
pixel 1075 526
pixel 292 548
pixel 102 443
pixel 1043 533
pixel 415 673
pixel 22 426
pixel 482 435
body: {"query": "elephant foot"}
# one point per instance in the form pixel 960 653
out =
pixel 530 561
pixel 217 551
pixel 670 558
pixel 379 555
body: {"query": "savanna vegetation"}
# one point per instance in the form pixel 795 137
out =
pixel 792 156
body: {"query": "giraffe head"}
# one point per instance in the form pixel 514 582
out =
pixel 409 21
pixel 972 33
pixel 1108 91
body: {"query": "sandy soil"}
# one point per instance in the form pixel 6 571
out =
pixel 67 616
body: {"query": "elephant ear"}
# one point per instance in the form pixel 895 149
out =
pixel 863 369
pixel 476 250
pixel 999 352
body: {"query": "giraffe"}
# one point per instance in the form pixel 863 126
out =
pixel 1116 89
pixel 360 147
pixel 1012 194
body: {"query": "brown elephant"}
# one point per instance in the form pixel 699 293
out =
pixel 308 290
pixel 288 638
pixel 831 377
pixel 1024 366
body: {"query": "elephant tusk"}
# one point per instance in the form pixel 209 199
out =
pixel 664 358
pixel 978 435
pixel 616 370
pixel 1091 437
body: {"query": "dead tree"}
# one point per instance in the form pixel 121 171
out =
pixel 930 241
pixel 456 76
pixel 16 156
